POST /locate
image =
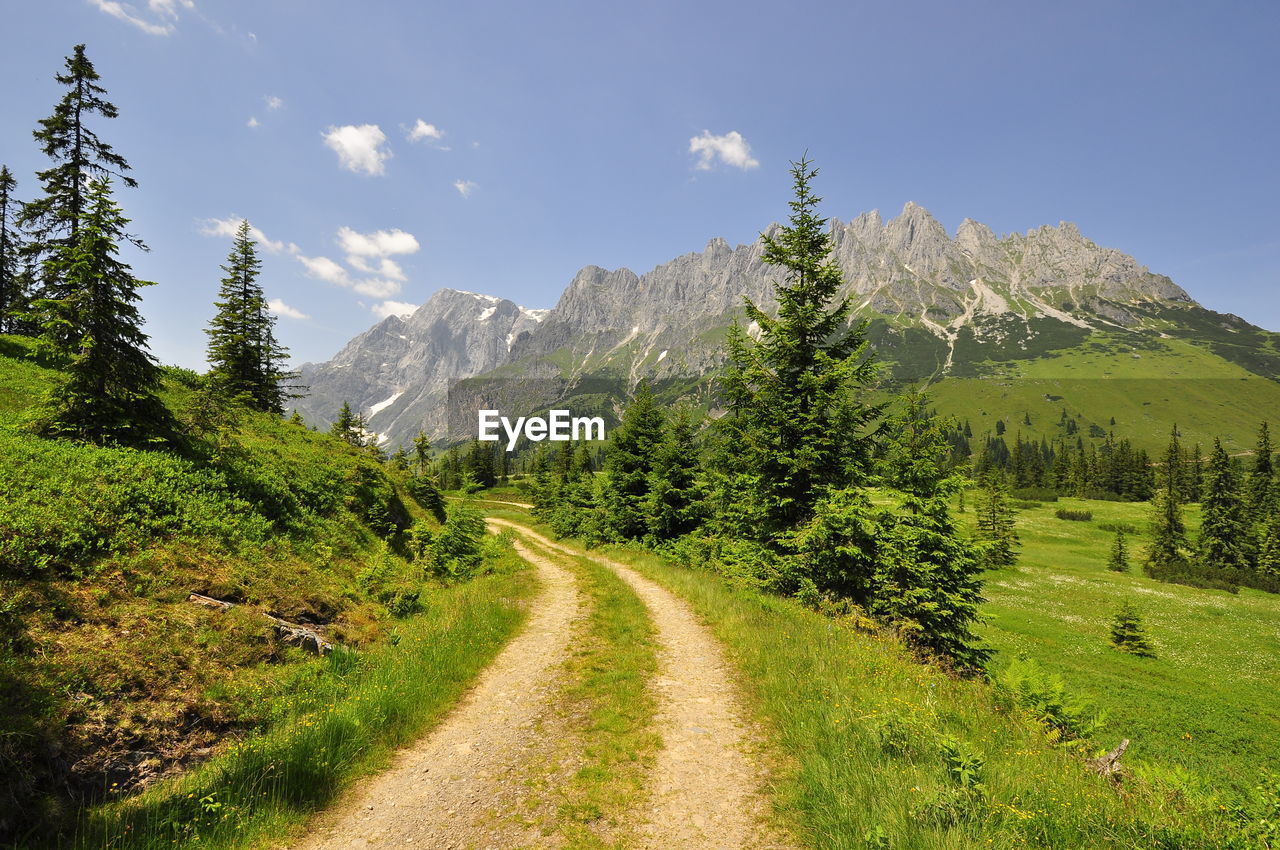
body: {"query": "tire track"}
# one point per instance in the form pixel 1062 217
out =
pixel 704 790
pixel 464 784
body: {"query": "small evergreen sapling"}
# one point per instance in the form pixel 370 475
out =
pixel 1119 560
pixel 1127 633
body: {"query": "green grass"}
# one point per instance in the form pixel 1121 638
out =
pixel 883 750
pixel 1145 389
pixel 344 723
pixel 613 708
pixel 1207 703
pixel 103 663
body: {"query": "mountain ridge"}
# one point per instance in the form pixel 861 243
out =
pixel 938 305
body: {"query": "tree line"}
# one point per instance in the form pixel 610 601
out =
pixel 62 282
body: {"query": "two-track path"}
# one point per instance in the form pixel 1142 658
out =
pixel 705 792
pixel 449 789
pixel 458 787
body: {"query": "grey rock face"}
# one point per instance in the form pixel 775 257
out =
pixel 397 373
pixel 669 322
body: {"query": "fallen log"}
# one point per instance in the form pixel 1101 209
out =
pixel 291 634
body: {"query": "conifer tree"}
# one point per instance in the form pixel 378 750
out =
pixel 1268 563
pixel 926 574
pixel 421 451
pixel 629 462
pixel 675 496
pixel 1119 560
pixel 13 284
pixel 1168 531
pixel 1224 531
pixel 244 357
pixel 1261 478
pixel 1127 633
pixel 109 393
pixel 79 156
pixel 348 426
pixel 996 523
pixel 798 422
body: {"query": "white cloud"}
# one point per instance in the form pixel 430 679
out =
pixel 277 306
pixel 369 254
pixel 323 268
pixel 170 7
pixel 730 149
pixel 359 149
pixel 228 226
pixel 464 187
pixel 422 130
pixel 273 102
pixel 380 243
pixel 376 287
pixel 403 309
pixel 129 15
pixel 252 122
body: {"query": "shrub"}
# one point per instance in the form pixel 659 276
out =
pixel 1074 516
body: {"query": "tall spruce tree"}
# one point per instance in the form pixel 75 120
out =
pixel 1168 530
pixel 79 156
pixel 13 284
pixel 628 463
pixel 675 493
pixel 926 571
pixel 798 422
pixel 1260 483
pixel 244 357
pixel 109 392
pixel 1225 537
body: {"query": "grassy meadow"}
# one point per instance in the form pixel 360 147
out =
pixel 1207 702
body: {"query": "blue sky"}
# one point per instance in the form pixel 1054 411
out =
pixel 387 149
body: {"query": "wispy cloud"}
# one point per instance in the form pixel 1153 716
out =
pixel 252 122
pixel 403 309
pixel 369 254
pixel 464 187
pixel 730 149
pixel 160 18
pixel 228 227
pixel 277 306
pixel 421 130
pixel 359 148
pixel 273 103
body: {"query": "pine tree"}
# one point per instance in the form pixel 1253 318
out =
pixel 1224 530
pixel 244 357
pixel 628 463
pixel 1259 485
pixel 421 451
pixel 79 156
pixel 1119 560
pixel 1168 531
pixel 109 394
pixel 1127 633
pixel 675 495
pixel 13 284
pixel 1269 548
pixel 926 574
pixel 797 422
pixel 348 426
pixel 996 524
